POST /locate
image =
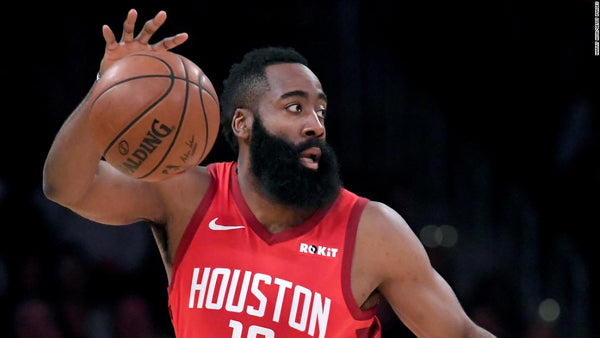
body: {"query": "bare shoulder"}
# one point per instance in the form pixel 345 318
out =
pixel 381 223
pixel 193 178
pixel 184 192
pixel 385 242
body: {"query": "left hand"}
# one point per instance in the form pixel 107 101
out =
pixel 115 51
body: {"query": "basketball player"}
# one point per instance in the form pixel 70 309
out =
pixel 271 244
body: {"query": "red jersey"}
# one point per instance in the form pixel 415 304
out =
pixel 233 278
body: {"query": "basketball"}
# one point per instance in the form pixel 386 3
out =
pixel 154 114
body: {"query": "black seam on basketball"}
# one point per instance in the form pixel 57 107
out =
pixel 172 77
pixel 187 93
pixel 204 114
pixel 206 90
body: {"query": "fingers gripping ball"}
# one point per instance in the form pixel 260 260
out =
pixel 154 115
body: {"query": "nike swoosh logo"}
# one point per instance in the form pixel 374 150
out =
pixel 214 226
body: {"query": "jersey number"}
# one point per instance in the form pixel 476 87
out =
pixel 254 331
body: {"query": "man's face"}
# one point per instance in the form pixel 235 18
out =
pixel 278 165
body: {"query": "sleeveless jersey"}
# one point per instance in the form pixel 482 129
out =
pixel 233 278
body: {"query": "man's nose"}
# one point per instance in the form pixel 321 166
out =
pixel 314 127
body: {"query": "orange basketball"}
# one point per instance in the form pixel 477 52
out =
pixel 154 115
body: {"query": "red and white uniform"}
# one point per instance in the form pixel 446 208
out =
pixel 233 278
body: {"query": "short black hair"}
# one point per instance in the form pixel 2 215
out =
pixel 247 80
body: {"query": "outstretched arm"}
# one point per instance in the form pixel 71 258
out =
pixel 401 271
pixel 74 174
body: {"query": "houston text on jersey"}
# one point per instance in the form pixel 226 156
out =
pixel 221 289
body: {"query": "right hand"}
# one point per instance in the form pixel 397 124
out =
pixel 115 51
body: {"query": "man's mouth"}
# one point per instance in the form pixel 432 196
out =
pixel 310 158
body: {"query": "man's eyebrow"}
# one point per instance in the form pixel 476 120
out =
pixel 302 94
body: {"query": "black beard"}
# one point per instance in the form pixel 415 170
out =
pixel 276 164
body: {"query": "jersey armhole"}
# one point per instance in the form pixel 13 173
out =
pixel 350 243
pixel 192 226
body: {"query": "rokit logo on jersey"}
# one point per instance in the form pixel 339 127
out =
pixel 318 250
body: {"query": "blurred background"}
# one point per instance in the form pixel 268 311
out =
pixel 477 121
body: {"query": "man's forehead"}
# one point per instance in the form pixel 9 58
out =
pixel 291 76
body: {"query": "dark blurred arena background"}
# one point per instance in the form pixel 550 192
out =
pixel 476 120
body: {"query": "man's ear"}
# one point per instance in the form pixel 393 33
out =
pixel 241 123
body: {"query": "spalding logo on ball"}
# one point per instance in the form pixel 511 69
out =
pixel 154 115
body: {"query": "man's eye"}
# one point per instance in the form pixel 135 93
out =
pixel 294 108
pixel 322 113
